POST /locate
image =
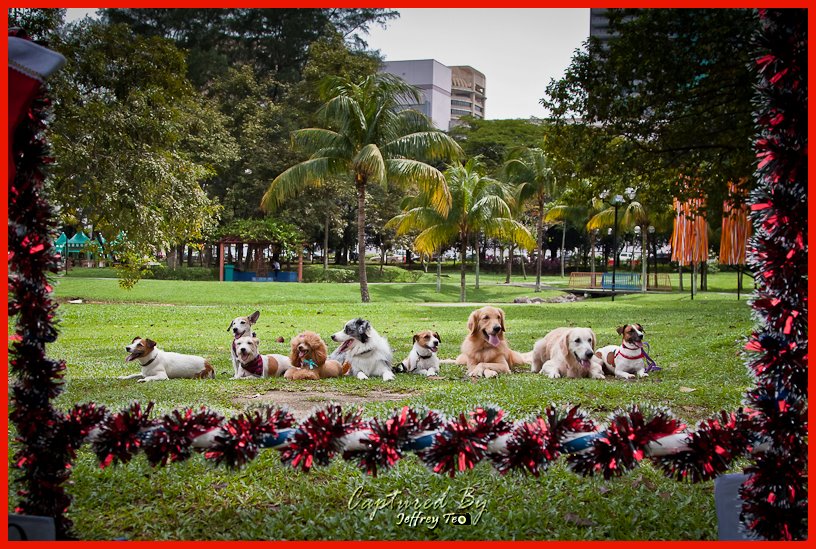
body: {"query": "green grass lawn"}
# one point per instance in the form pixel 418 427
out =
pixel 696 342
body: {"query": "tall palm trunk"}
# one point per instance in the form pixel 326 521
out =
pixel 326 245
pixel 439 272
pixel 463 251
pixel 563 240
pixel 539 242
pixel 476 247
pixel 509 264
pixel 361 184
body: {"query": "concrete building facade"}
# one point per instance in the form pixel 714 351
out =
pixel 448 92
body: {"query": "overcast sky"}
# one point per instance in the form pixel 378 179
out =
pixel 518 50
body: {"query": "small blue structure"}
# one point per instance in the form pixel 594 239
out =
pixel 623 281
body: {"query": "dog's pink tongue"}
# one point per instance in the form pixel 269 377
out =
pixel 494 340
pixel 585 363
pixel 346 344
pixel 130 357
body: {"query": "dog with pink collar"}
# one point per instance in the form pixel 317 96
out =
pixel 628 359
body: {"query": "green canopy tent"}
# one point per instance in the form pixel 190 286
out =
pixel 59 244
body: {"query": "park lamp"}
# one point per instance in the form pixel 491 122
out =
pixel 637 230
pixel 651 229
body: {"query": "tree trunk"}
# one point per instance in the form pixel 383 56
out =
pixel 361 215
pixel 189 256
pixel 439 272
pixel 592 256
pixel 680 271
pixel 326 244
pixel 563 241
pixel 477 250
pixel 524 267
pixel 539 243
pixel 463 251
pixel 509 264
pixel 383 258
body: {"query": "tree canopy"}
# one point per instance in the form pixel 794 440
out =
pixel 676 86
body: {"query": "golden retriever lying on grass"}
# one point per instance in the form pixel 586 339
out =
pixel 484 351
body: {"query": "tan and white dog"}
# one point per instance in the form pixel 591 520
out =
pixel 158 365
pixel 567 352
pixel 239 327
pixel 627 359
pixel 253 364
pixel 422 359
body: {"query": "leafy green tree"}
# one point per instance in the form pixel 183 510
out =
pixel 477 207
pixel 676 85
pixel 273 41
pixel 133 141
pixel 531 171
pixel 38 23
pixel 493 140
pixel 363 136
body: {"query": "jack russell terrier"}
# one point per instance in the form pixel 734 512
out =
pixel 422 358
pixel 628 359
pixel 158 365
pixel 240 327
pixel 254 364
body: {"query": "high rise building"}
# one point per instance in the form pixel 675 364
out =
pixel 448 92
pixel 467 93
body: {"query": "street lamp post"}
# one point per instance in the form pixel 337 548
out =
pixel 616 202
pixel 651 242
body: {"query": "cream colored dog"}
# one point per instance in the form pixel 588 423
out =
pixel 567 352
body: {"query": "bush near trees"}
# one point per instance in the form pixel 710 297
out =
pixel 205 123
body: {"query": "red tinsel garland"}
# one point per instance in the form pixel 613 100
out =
pixel 775 495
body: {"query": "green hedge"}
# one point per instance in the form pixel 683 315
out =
pixel 157 272
pixel 314 273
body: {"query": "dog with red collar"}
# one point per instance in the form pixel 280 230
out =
pixel 251 363
pixel 628 359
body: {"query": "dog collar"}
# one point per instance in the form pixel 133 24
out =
pixel 364 352
pixel 149 362
pixel 424 356
pixel 310 363
pixel 254 367
pixel 619 352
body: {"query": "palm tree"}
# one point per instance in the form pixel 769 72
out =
pixel 365 137
pixel 530 169
pixel 476 206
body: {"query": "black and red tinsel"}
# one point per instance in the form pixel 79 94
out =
pixel 238 442
pixel 775 495
pixel 43 455
pixel 172 440
pixel 120 436
pixel 462 442
pixel 388 440
pixel 320 437
pixel 533 445
pixel 624 442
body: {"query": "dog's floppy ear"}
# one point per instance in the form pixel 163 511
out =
pixel 592 338
pixel 135 338
pixel 150 344
pixel 253 318
pixel 294 355
pixel 319 351
pixel 362 329
pixel 230 326
pixel 621 329
pixel 436 335
pixel 501 319
pixel 416 338
pixel 473 322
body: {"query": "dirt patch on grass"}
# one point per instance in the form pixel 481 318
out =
pixel 302 403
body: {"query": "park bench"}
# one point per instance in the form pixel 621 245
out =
pixel 623 281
